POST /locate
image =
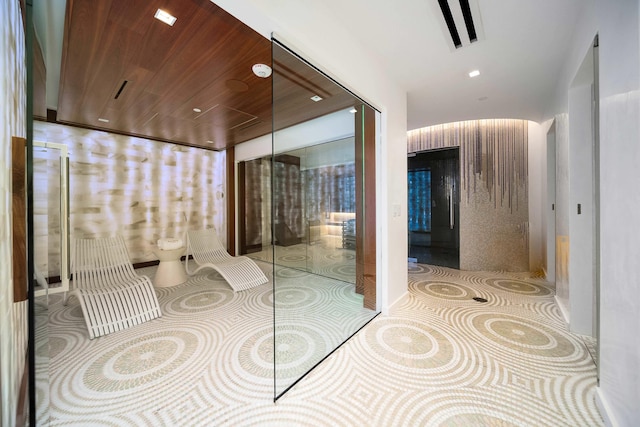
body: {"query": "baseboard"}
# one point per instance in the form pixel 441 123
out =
pixel 563 309
pixel 605 409
pixel 396 303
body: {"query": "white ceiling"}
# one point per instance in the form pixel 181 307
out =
pixel 520 57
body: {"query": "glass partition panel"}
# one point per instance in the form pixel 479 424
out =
pixel 317 178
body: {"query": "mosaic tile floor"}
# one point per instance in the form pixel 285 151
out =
pixel 440 359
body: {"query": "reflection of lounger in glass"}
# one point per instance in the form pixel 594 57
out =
pixel 112 296
pixel 240 272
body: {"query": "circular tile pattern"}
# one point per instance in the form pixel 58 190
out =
pixel 290 273
pixel 76 312
pixel 523 335
pixel 445 290
pixel 344 270
pixel 519 286
pixel 341 255
pixel 474 419
pixel 419 268
pixel 449 366
pixel 297 348
pixel 293 258
pixel 56 346
pixel 409 344
pixel 141 360
pixel 201 300
pixel 215 276
pixel 292 298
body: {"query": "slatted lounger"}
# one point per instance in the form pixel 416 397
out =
pixel 240 272
pixel 112 296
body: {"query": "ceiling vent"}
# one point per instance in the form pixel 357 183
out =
pixel 460 22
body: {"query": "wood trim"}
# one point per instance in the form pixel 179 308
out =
pixel 19 217
pixel 242 208
pixel 359 159
pixel 231 202
pixel 370 270
pixel 39 81
pixel 287 159
pixel 366 205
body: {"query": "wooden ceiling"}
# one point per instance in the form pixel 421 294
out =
pixel 146 77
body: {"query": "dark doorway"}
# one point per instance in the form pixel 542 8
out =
pixel 434 207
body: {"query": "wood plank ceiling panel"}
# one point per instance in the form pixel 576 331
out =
pixel 146 77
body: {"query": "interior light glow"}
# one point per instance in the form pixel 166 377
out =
pixel 474 73
pixel 209 141
pixel 165 17
pixel 197 110
pixel 316 98
pixel 100 119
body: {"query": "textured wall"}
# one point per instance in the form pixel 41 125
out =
pixel 142 189
pixel 13 316
pixel 494 195
pixel 46 211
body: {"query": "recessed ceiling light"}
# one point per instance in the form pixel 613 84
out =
pixel 353 111
pixel 165 17
pixel 209 141
pixel 474 73
pixel 197 110
pixel 100 119
pixel 316 98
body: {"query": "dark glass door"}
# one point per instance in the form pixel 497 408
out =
pixel 434 207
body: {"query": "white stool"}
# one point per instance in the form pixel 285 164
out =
pixel 170 270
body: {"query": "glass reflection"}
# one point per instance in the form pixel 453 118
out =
pixel 314 188
pixel 50 252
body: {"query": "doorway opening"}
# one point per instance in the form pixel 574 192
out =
pixel 433 179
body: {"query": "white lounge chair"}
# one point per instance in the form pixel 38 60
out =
pixel 112 296
pixel 240 272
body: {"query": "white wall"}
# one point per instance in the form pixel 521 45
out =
pixel 617 24
pixel 327 128
pixel 581 232
pixel 335 51
pixel 620 213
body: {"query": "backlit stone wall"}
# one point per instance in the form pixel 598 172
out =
pixel 142 189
